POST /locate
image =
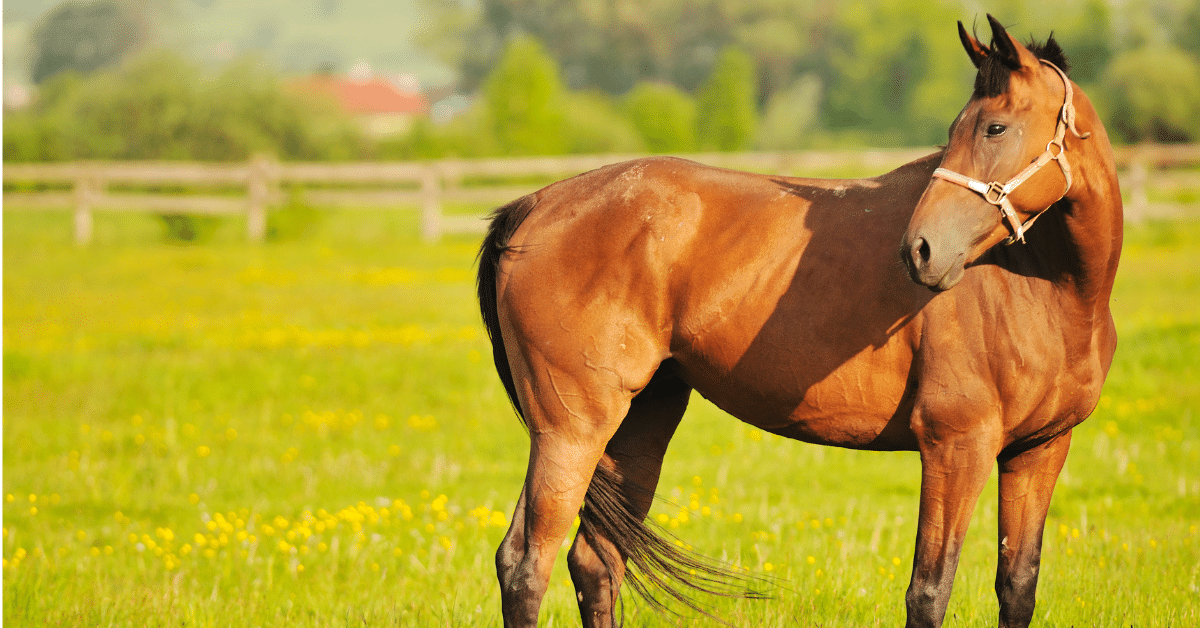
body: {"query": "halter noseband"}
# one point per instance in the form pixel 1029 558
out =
pixel 997 194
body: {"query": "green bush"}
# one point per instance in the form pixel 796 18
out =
pixel 469 134
pixel 188 228
pixel 524 110
pixel 160 106
pixel 791 115
pixel 247 110
pixel 727 112
pixel 294 220
pixel 1153 93
pixel 592 124
pixel 525 101
pixel 663 115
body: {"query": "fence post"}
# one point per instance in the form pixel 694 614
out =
pixel 86 189
pixel 1139 201
pixel 431 206
pixel 258 188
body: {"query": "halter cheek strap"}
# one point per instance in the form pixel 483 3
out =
pixel 997 194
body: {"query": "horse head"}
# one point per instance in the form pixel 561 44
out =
pixel 992 182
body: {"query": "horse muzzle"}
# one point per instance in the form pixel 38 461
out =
pixel 929 266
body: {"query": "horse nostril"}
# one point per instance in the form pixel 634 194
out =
pixel 921 251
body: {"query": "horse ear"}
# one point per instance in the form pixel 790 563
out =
pixel 974 49
pixel 1003 45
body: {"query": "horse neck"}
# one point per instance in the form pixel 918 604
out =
pixel 1094 219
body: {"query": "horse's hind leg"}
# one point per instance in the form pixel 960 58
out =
pixel 633 459
pixel 1026 483
pixel 570 420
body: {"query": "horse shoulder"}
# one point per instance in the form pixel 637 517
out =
pixel 1023 358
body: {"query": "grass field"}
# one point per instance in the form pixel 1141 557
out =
pixel 311 433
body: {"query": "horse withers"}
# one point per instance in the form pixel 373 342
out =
pixel 611 296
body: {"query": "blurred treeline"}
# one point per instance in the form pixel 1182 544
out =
pixel 576 76
pixel 158 105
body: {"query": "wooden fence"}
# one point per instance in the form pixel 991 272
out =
pixel 253 188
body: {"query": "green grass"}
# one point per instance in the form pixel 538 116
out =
pixel 311 433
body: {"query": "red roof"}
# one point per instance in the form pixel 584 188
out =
pixel 374 96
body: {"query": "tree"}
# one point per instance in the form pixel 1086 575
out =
pixel 615 45
pixel 791 115
pixel 85 37
pixel 1187 33
pixel 524 97
pixel 593 125
pixel 1154 94
pixel 1088 42
pixel 663 115
pixel 895 71
pixel 598 44
pixel 726 114
pixel 246 109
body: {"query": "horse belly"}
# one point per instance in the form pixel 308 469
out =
pixel 861 410
pixel 864 403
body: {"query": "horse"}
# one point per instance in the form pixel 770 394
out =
pixel 610 296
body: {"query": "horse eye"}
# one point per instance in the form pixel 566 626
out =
pixel 996 129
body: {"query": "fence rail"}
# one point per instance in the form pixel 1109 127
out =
pixel 428 186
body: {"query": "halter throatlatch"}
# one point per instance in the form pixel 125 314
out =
pixel 1056 150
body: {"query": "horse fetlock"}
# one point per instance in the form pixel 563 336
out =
pixel 1013 588
pixel 926 603
pixel 521 596
pixel 1017 613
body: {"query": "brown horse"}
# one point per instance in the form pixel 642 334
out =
pixel 610 296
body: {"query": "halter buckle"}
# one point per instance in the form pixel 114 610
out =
pixel 995 193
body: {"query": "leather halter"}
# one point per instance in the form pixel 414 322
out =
pixel 1056 150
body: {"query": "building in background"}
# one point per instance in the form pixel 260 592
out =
pixel 381 106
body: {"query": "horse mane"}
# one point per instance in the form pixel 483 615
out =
pixel 992 79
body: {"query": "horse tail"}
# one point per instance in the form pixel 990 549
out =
pixel 658 562
pixel 503 223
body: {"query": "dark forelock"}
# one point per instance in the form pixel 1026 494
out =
pixel 992 79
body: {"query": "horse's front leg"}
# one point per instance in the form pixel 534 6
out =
pixel 955 464
pixel 1026 483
